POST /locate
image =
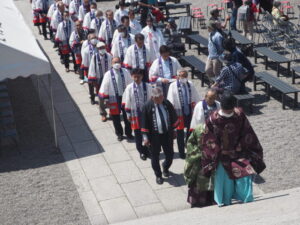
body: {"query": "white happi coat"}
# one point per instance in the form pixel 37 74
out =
pixel 124 42
pixel 96 24
pixel 155 74
pixel 118 15
pixel 94 73
pixel 198 115
pixel 135 27
pixel 107 90
pixel 61 35
pixel 51 10
pixel 153 39
pixel 130 60
pixel 56 19
pixel 87 52
pixel 66 3
pixel 38 5
pixel 105 34
pixel 74 9
pixel 173 96
pixel 130 104
pixel 81 13
pixel 116 33
pixel 87 20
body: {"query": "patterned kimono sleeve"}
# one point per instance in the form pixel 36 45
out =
pixel 197 116
pixel 210 149
pixel 81 14
pixel 86 22
pixel 153 72
pixel 128 58
pixel 59 34
pixel 173 116
pixel 92 72
pixel 193 156
pixel 172 93
pixel 101 35
pixel 104 89
pixel 126 102
pixel 250 144
pixel 115 48
pixel 146 123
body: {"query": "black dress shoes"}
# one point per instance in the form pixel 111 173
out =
pixel 159 180
pixel 166 173
pixel 143 157
pixel 130 137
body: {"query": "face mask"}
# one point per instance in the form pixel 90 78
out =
pixel 184 80
pixel 117 66
pixel 93 10
pixel 102 51
pixel 94 41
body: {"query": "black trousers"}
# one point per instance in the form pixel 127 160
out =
pixel 164 141
pixel 146 76
pixel 50 30
pixel 66 60
pixel 117 122
pixel 181 140
pixel 139 142
pixel 44 30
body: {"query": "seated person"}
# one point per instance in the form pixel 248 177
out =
pixel 278 14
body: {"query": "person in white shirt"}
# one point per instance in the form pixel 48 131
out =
pixel 204 108
pixel 135 96
pixel 184 96
pixel 84 9
pixel 100 64
pixel 122 11
pixel 164 69
pixel 40 10
pixel 139 57
pixel 135 26
pixel 89 17
pixel 121 43
pixel 66 3
pixel 74 9
pixel 112 89
pixel 107 29
pixel 125 22
pixel 96 23
pixel 153 36
pixel 57 16
pixel 64 30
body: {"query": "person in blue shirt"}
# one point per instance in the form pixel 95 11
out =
pixel 215 49
pixel 146 5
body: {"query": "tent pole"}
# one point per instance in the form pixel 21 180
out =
pixel 53 112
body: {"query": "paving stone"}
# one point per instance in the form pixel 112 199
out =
pixel 173 199
pixel 130 146
pixel 79 133
pixel 106 188
pixel 148 173
pixel 88 110
pixel 95 167
pixel 90 204
pixel 81 98
pixel 71 161
pixel 65 107
pixel 139 193
pixel 126 172
pixel 115 153
pixel 117 210
pixel 95 123
pixel 106 137
pixel 149 210
pixel 72 119
pixel 87 148
pixel 81 182
pixel 98 220
pixel 64 144
pixel 75 88
pixel 135 156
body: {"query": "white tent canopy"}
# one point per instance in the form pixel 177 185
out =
pixel 20 54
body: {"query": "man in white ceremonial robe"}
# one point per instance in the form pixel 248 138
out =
pixel 120 12
pixel 164 69
pixel 183 96
pixel 112 89
pixel 100 64
pixel 121 43
pixel 89 17
pixel 96 22
pixel 153 36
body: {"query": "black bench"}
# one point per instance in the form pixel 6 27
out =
pixel 268 80
pixel 240 39
pixel 198 40
pixel 267 54
pixel 295 70
pixel 185 6
pixel 197 66
pixel 184 25
pixel 245 97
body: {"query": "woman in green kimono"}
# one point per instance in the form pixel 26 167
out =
pixel 201 188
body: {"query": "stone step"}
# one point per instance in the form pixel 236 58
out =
pixel 282 207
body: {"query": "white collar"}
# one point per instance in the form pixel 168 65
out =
pixel 221 113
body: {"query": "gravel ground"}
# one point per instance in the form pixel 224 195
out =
pixel 277 129
pixel 36 186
